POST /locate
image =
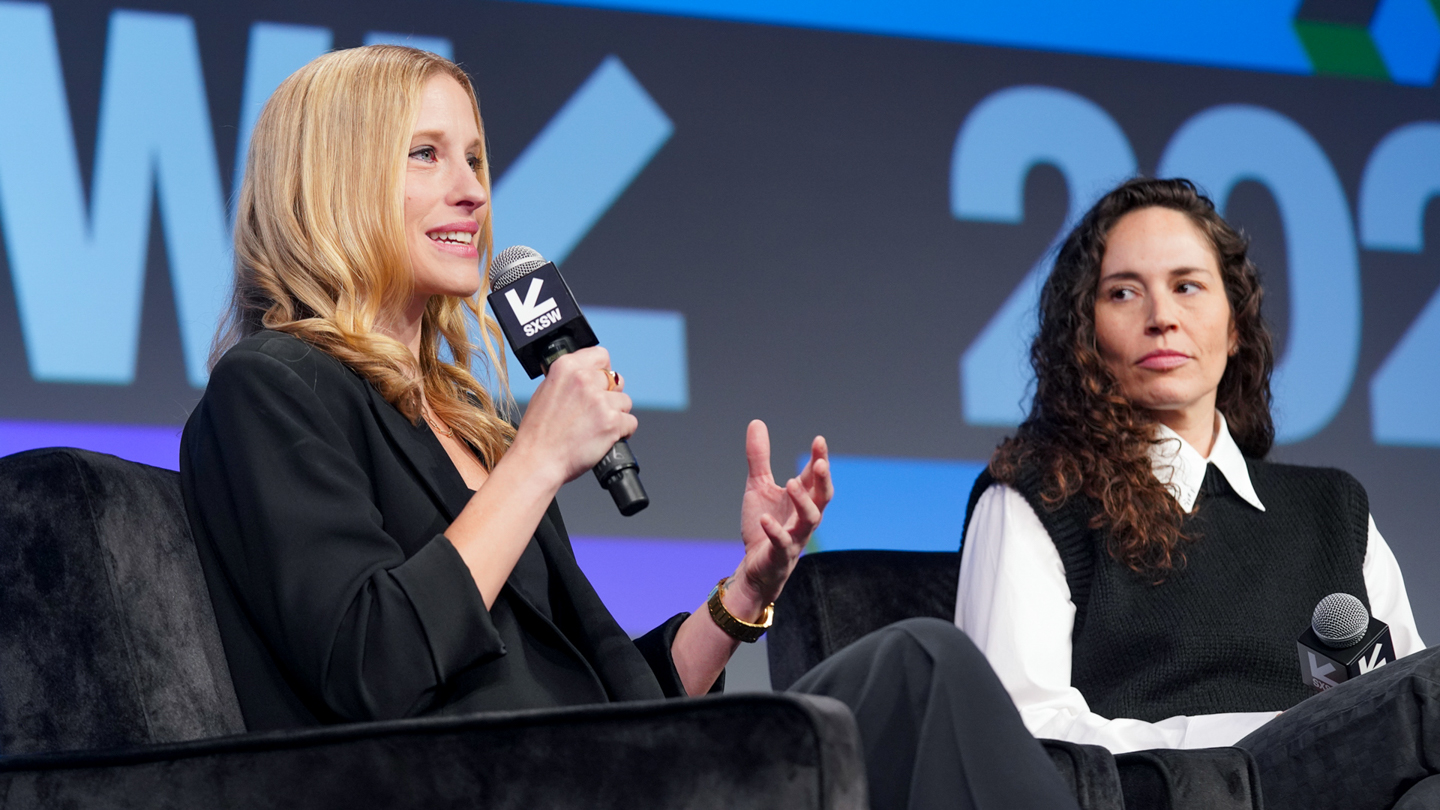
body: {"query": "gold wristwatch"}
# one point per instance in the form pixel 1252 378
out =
pixel 737 628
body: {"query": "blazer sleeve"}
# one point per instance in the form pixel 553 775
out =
pixel 656 646
pixel 360 629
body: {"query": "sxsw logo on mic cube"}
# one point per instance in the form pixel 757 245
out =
pixel 1325 667
pixel 536 309
pixel 535 316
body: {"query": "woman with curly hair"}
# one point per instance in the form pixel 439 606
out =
pixel 1133 569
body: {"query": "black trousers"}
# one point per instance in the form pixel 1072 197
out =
pixel 938 728
pixel 1372 743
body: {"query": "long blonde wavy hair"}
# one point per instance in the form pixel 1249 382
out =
pixel 320 248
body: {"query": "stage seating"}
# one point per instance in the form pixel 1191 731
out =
pixel 834 598
pixel 114 693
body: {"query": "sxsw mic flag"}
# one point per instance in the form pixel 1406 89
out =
pixel 1342 642
pixel 540 318
pixel 537 312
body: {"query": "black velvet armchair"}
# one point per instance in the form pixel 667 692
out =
pixel 834 598
pixel 115 693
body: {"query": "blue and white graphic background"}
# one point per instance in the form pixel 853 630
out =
pixel 832 216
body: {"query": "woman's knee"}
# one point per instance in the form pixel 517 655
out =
pixel 943 646
pixel 1424 795
pixel 921 647
pixel 937 636
pixel 1426 663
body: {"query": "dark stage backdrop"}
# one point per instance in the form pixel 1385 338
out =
pixel 831 219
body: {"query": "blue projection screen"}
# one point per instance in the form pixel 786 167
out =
pixel 834 217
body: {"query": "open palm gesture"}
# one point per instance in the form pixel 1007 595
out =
pixel 775 521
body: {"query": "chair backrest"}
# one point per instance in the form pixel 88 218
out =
pixel 107 634
pixel 835 597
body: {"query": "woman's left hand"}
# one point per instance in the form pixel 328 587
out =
pixel 775 522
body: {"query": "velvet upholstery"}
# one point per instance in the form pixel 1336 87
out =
pixel 717 752
pixel 834 598
pixel 115 693
pixel 1211 778
pixel 107 637
pixel 1091 773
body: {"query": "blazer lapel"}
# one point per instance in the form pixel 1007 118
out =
pixel 604 649
pixel 602 642
pixel 432 468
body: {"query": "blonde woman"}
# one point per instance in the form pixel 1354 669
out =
pixel 379 541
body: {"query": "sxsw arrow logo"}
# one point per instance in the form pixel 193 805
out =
pixel 1374 661
pixel 527 310
pixel 1319 673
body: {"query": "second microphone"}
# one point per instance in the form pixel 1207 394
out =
pixel 542 322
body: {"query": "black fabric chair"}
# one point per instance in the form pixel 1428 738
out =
pixel 835 597
pixel 115 693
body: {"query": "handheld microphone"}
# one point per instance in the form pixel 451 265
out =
pixel 1342 642
pixel 542 322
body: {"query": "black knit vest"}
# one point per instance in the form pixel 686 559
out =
pixel 1218 634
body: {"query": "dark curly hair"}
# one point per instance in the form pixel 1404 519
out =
pixel 1082 435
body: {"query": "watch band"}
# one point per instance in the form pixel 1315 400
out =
pixel 737 629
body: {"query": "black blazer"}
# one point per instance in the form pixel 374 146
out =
pixel 318 511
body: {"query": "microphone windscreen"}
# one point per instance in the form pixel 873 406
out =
pixel 512 263
pixel 1340 620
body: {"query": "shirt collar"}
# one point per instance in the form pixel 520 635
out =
pixel 1181 468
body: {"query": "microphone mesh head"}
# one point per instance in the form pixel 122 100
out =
pixel 512 263
pixel 1340 620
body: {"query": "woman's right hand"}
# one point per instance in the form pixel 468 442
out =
pixel 572 420
pixel 570 423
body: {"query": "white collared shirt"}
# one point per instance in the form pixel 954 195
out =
pixel 1014 603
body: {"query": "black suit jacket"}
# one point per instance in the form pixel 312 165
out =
pixel 318 510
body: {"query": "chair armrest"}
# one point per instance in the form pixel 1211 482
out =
pixel 1195 779
pixel 718 752
pixel 1089 771
pixel 1162 779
